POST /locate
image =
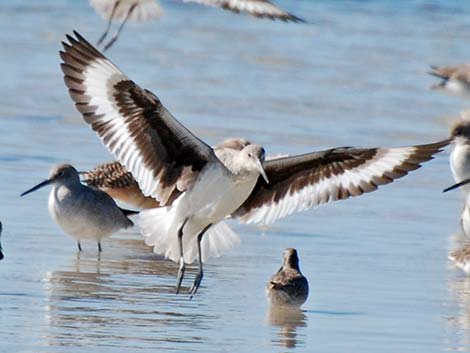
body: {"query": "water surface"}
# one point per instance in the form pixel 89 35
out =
pixel 355 75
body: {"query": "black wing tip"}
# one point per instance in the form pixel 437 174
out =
pixel 435 71
pixel 435 146
pixel 79 41
pixel 295 19
pixel 287 18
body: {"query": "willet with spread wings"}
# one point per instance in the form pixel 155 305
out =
pixel 145 10
pixel 198 186
pixel 454 79
pixel 288 286
pixel 82 212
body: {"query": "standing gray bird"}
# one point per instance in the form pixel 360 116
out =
pixel 82 212
pixel 288 286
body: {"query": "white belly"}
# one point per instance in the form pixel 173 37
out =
pixel 466 219
pixel 216 197
pixel 460 164
pixel 458 88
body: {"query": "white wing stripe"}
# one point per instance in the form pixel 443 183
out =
pixel 326 189
pixel 100 78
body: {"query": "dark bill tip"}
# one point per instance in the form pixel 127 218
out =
pixel 34 188
pixel 455 186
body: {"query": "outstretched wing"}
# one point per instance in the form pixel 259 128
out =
pixel 300 182
pixel 257 8
pixel 161 153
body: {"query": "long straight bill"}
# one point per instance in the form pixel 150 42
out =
pixel 466 181
pixel 40 185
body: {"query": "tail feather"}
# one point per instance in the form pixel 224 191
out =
pixel 217 240
pixel 160 226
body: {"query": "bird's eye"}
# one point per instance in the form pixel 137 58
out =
pixel 61 173
pixel 250 155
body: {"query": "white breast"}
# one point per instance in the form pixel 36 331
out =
pixel 460 164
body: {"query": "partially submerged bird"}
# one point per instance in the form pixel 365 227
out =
pixel 454 79
pixel 288 286
pixel 461 258
pixel 198 186
pixel 82 212
pixel 1 249
pixel 460 155
pixel 144 10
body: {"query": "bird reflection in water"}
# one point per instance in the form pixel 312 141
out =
pixel 460 323
pixel 116 299
pixel 286 321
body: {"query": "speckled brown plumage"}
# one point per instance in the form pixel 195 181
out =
pixel 119 183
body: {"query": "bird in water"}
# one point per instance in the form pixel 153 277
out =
pixel 198 186
pixel 82 212
pixel 145 10
pixel 288 286
pixel 455 80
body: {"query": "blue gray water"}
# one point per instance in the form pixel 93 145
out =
pixel 355 75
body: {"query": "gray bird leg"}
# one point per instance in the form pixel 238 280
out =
pixel 103 36
pixel 111 42
pixel 200 274
pixel 182 265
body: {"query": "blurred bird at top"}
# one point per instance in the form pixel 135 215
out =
pixel 145 10
pixel 455 80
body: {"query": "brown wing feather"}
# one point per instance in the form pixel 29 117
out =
pixel 290 176
pixel 132 122
pixel 114 179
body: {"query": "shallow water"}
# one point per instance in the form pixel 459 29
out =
pixel 355 75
